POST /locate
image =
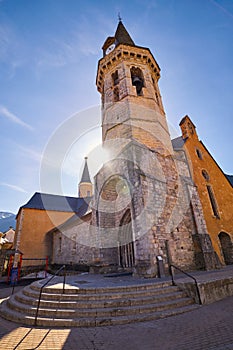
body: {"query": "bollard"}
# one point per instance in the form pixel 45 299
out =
pixel 161 272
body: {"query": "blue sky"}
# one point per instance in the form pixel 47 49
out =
pixel 49 50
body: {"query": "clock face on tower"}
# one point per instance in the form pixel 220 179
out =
pixel 110 48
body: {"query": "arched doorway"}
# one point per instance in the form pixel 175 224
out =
pixel 227 247
pixel 126 244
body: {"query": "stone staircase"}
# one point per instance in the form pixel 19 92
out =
pixel 90 307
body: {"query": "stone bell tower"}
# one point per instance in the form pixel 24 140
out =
pixel 145 204
pixel 127 79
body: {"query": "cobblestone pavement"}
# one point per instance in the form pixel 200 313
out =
pixel 208 327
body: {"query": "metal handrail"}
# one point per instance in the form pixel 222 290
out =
pixel 187 274
pixel 45 284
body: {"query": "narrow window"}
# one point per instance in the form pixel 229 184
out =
pixel 115 78
pixel 102 98
pixel 74 243
pixel 205 175
pixel 199 154
pixel 88 193
pixel 60 244
pixel 116 94
pixel 212 201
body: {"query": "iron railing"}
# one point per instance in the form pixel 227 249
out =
pixel 45 284
pixel 187 274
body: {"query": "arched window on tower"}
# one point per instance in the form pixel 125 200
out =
pixel 137 79
pixel 115 78
pixel 115 82
pixel 116 94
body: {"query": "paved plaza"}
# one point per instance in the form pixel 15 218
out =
pixel 208 327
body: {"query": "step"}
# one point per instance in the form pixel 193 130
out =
pixel 34 293
pixel 95 306
pixel 99 290
pixel 15 316
pixel 98 312
pixel 125 300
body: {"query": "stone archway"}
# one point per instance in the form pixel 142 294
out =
pixel 126 252
pixel 227 247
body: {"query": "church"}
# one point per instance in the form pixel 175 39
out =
pixel 155 199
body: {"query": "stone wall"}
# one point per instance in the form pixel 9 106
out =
pixel 75 243
pixel 160 196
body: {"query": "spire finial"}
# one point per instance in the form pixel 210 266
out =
pixel 119 17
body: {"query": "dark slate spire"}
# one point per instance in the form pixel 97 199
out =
pixel 122 36
pixel 85 175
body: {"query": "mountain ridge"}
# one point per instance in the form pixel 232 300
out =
pixel 7 220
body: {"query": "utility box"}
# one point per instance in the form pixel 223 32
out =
pixel 160 264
